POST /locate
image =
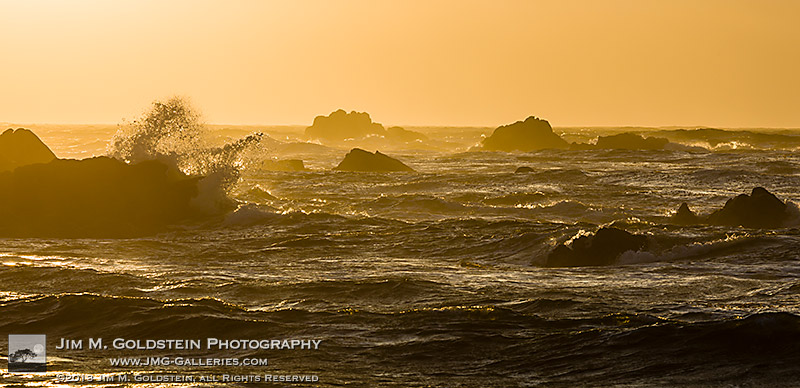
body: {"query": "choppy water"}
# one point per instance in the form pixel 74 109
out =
pixel 435 278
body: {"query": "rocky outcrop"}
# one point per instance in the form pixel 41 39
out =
pixel 601 248
pixel 684 216
pixel 760 209
pixel 97 197
pixel 341 126
pixel 529 135
pixel 21 147
pixel 399 134
pixel 360 160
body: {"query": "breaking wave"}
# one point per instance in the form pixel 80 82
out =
pixel 726 140
pixel 172 133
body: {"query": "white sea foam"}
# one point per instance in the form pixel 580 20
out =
pixel 172 132
pixel 680 252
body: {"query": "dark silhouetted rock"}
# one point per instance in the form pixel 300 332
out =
pixel 399 134
pixel 21 147
pixel 360 160
pixel 523 170
pixel 601 248
pixel 97 197
pixel 283 165
pixel 760 209
pixel 529 135
pixel 341 125
pixel 684 216
pixel 631 141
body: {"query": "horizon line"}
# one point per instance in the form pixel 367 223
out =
pixel 3 123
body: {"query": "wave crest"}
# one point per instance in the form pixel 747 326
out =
pixel 172 132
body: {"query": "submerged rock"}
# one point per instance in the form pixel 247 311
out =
pixel 97 197
pixel 21 147
pixel 684 216
pixel 283 165
pixel 601 248
pixel 523 170
pixel 529 135
pixel 760 209
pixel 360 160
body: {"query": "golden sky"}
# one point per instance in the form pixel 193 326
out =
pixel 720 63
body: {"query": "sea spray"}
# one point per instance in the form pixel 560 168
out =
pixel 172 132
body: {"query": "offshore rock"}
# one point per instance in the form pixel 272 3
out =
pixel 400 134
pixel 529 135
pixel 360 160
pixel 684 216
pixel 760 209
pixel 21 147
pixel 351 128
pixel 97 197
pixel 601 248
pixel 341 125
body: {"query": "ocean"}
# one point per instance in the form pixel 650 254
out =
pixel 438 278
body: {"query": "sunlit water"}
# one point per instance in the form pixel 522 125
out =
pixel 436 278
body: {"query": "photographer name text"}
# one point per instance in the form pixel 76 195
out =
pixel 188 344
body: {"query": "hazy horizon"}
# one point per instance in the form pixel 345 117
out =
pixel 303 126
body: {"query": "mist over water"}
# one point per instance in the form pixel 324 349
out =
pixel 437 278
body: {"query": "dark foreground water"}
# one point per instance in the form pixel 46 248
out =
pixel 435 279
